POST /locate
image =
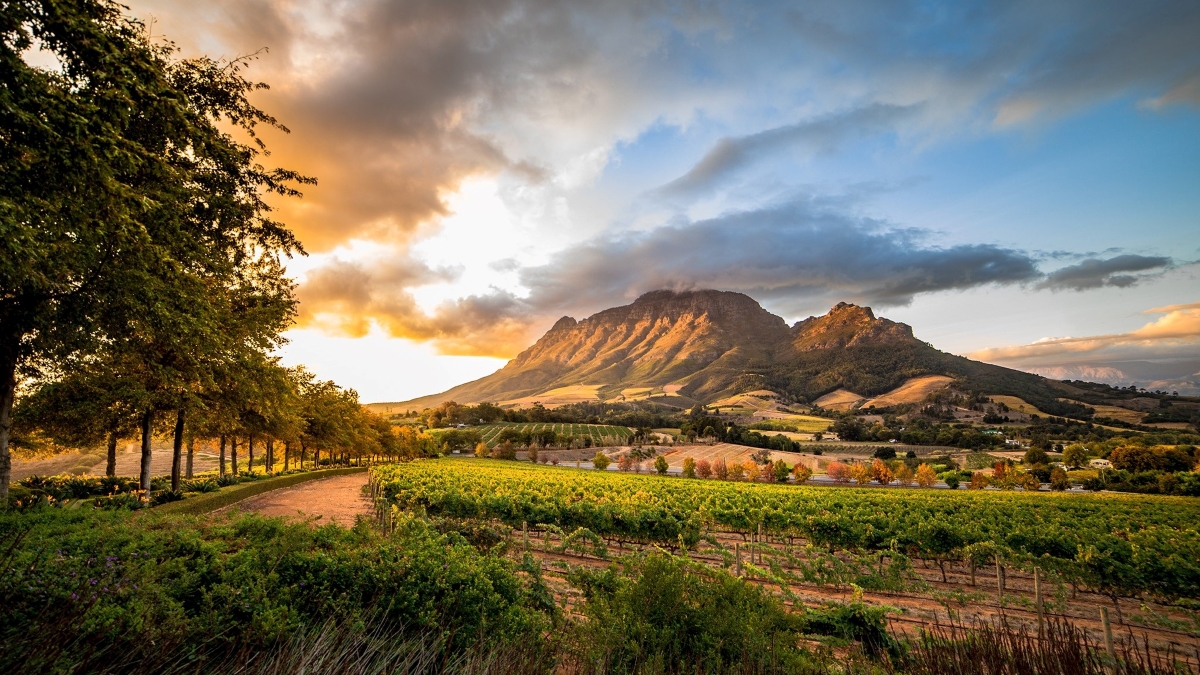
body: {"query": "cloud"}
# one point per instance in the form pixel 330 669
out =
pixel 1175 334
pixel 1096 273
pixel 823 135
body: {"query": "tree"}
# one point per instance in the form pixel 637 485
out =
pixel 660 465
pixel 127 203
pixel 838 472
pixel 1035 456
pixel 781 471
pixel 880 472
pixel 704 468
pixel 926 477
pixel 1074 456
pixel 689 467
pixel 860 473
pixel 533 454
pixel 600 461
pixel 1059 480
pixel 905 476
pixel 481 450
pixel 801 472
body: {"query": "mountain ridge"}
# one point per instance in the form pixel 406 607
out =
pixel 708 344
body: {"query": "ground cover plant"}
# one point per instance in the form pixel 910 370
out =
pixel 1115 544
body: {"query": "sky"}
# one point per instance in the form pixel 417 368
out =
pixel 1019 181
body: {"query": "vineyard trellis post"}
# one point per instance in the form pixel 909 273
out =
pixel 1037 592
pixel 1108 636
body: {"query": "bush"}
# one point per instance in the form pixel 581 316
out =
pixel 685 618
pixel 952 480
pixel 141 594
pixel 600 461
pixel 660 465
pixel 885 453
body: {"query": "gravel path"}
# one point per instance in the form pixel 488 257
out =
pixel 338 499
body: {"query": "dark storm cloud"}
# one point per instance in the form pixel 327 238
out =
pixel 795 252
pixel 1093 273
pixel 819 136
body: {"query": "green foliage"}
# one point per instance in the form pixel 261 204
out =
pixel 601 461
pixel 119 590
pixel 665 614
pixel 1158 534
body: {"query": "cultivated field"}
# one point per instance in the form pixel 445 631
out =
pixel 601 434
pixel 579 393
pixel 931 556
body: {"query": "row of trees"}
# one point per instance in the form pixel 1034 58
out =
pixel 141 272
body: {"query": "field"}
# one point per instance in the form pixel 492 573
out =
pixel 1017 404
pixel 579 393
pixel 912 391
pixel 930 555
pixel 601 434
pixel 842 399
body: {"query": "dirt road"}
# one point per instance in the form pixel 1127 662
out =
pixel 338 499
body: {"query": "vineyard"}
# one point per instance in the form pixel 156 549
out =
pixel 1112 544
pixel 600 434
pixel 924 558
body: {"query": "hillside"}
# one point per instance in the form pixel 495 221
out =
pixel 707 345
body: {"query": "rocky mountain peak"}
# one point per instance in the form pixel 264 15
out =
pixel 847 325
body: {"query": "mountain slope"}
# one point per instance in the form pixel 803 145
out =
pixel 710 344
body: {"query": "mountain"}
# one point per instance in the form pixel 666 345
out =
pixel 702 346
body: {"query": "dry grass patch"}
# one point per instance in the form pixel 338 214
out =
pixel 912 391
pixel 842 399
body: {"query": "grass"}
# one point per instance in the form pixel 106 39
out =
pixel 212 501
pixel 1017 404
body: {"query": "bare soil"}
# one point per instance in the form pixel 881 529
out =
pixel 338 499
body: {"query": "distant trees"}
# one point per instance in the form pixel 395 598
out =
pixel 1074 456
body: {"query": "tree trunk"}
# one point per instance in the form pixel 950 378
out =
pixel 233 453
pixel 222 441
pixel 147 427
pixel 177 451
pixel 8 390
pixel 287 455
pixel 191 455
pixel 316 458
pixel 110 467
pixel 250 451
pixel 270 455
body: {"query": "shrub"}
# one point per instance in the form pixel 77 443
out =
pixel 952 481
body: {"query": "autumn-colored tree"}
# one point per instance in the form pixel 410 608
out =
pixel 905 476
pixel 801 472
pixel 625 463
pixel 751 470
pixel 704 468
pixel 720 470
pixel 979 481
pixel 481 449
pixel 600 461
pixel 1059 480
pixel 533 454
pixel 689 467
pixel 838 472
pixel 880 472
pixel 926 477
pixel 861 473
pixel 737 471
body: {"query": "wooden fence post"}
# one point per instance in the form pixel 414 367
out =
pixel 737 556
pixel 1037 591
pixel 1108 638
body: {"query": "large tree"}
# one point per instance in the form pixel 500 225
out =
pixel 122 196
